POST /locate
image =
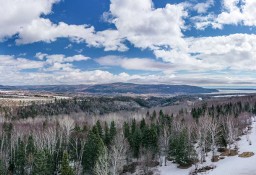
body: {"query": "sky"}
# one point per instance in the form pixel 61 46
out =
pixel 194 42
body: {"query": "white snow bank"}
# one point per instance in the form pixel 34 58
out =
pixel 230 165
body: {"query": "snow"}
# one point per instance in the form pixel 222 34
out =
pixel 171 169
pixel 230 165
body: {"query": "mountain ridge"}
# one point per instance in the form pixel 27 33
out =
pixel 115 88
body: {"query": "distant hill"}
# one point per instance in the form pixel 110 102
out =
pixel 124 88
pixel 7 88
pixel 116 88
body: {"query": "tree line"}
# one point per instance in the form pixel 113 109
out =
pixel 66 146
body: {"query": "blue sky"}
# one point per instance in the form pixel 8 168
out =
pixel 196 42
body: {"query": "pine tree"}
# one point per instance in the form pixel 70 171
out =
pixel 65 168
pixel 153 139
pixel 154 114
pixel 20 158
pixel 136 142
pixel 126 129
pixel 107 138
pixel 145 137
pixel 113 131
pixel 147 114
pixel 30 146
pixel 92 150
pixel 180 148
pixel 99 128
pixel 142 124
pixel 133 127
pixel 30 151
pixel 150 139
pixel 41 163
pixel 161 113
pixel 50 163
pixel 254 109
pixel 2 170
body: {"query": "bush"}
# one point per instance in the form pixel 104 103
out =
pixel 131 168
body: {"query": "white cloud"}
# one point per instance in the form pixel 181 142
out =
pixel 44 30
pixel 202 7
pixel 202 22
pixel 68 46
pixel 235 12
pixel 137 21
pixel 148 27
pixel 40 55
pixel 9 62
pixel 15 14
pixel 145 64
pixel 207 54
pixel 232 52
pixel 60 58
pixel 144 26
pixel 16 71
pixel 63 59
pixel 24 18
pixel 59 61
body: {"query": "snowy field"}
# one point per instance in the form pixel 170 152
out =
pixel 228 166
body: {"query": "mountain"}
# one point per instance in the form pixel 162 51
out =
pixel 6 88
pixel 116 88
pixel 124 88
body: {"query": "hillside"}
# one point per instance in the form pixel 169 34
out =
pixel 116 88
pixel 146 89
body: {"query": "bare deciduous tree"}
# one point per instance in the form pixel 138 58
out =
pixel 102 164
pixel 118 152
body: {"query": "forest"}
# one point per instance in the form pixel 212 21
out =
pixel 49 144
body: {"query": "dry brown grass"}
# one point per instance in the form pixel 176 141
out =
pixel 184 166
pixel 246 154
pixel 215 158
pixel 231 152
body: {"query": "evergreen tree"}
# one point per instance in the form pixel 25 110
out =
pixel 133 127
pixel 161 113
pixel 65 168
pixel 30 146
pixel 145 137
pixel 153 139
pixel 30 151
pixel 41 163
pixel 150 139
pixel 154 114
pixel 222 138
pixel 254 109
pixel 20 158
pixel 107 136
pixel 136 142
pixel 92 150
pixel 113 130
pixel 11 166
pixel 147 114
pixel 50 163
pixel 142 124
pixel 126 129
pixel 2 169
pixel 99 128
pixel 180 148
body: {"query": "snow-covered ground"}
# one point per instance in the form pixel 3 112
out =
pixel 228 166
